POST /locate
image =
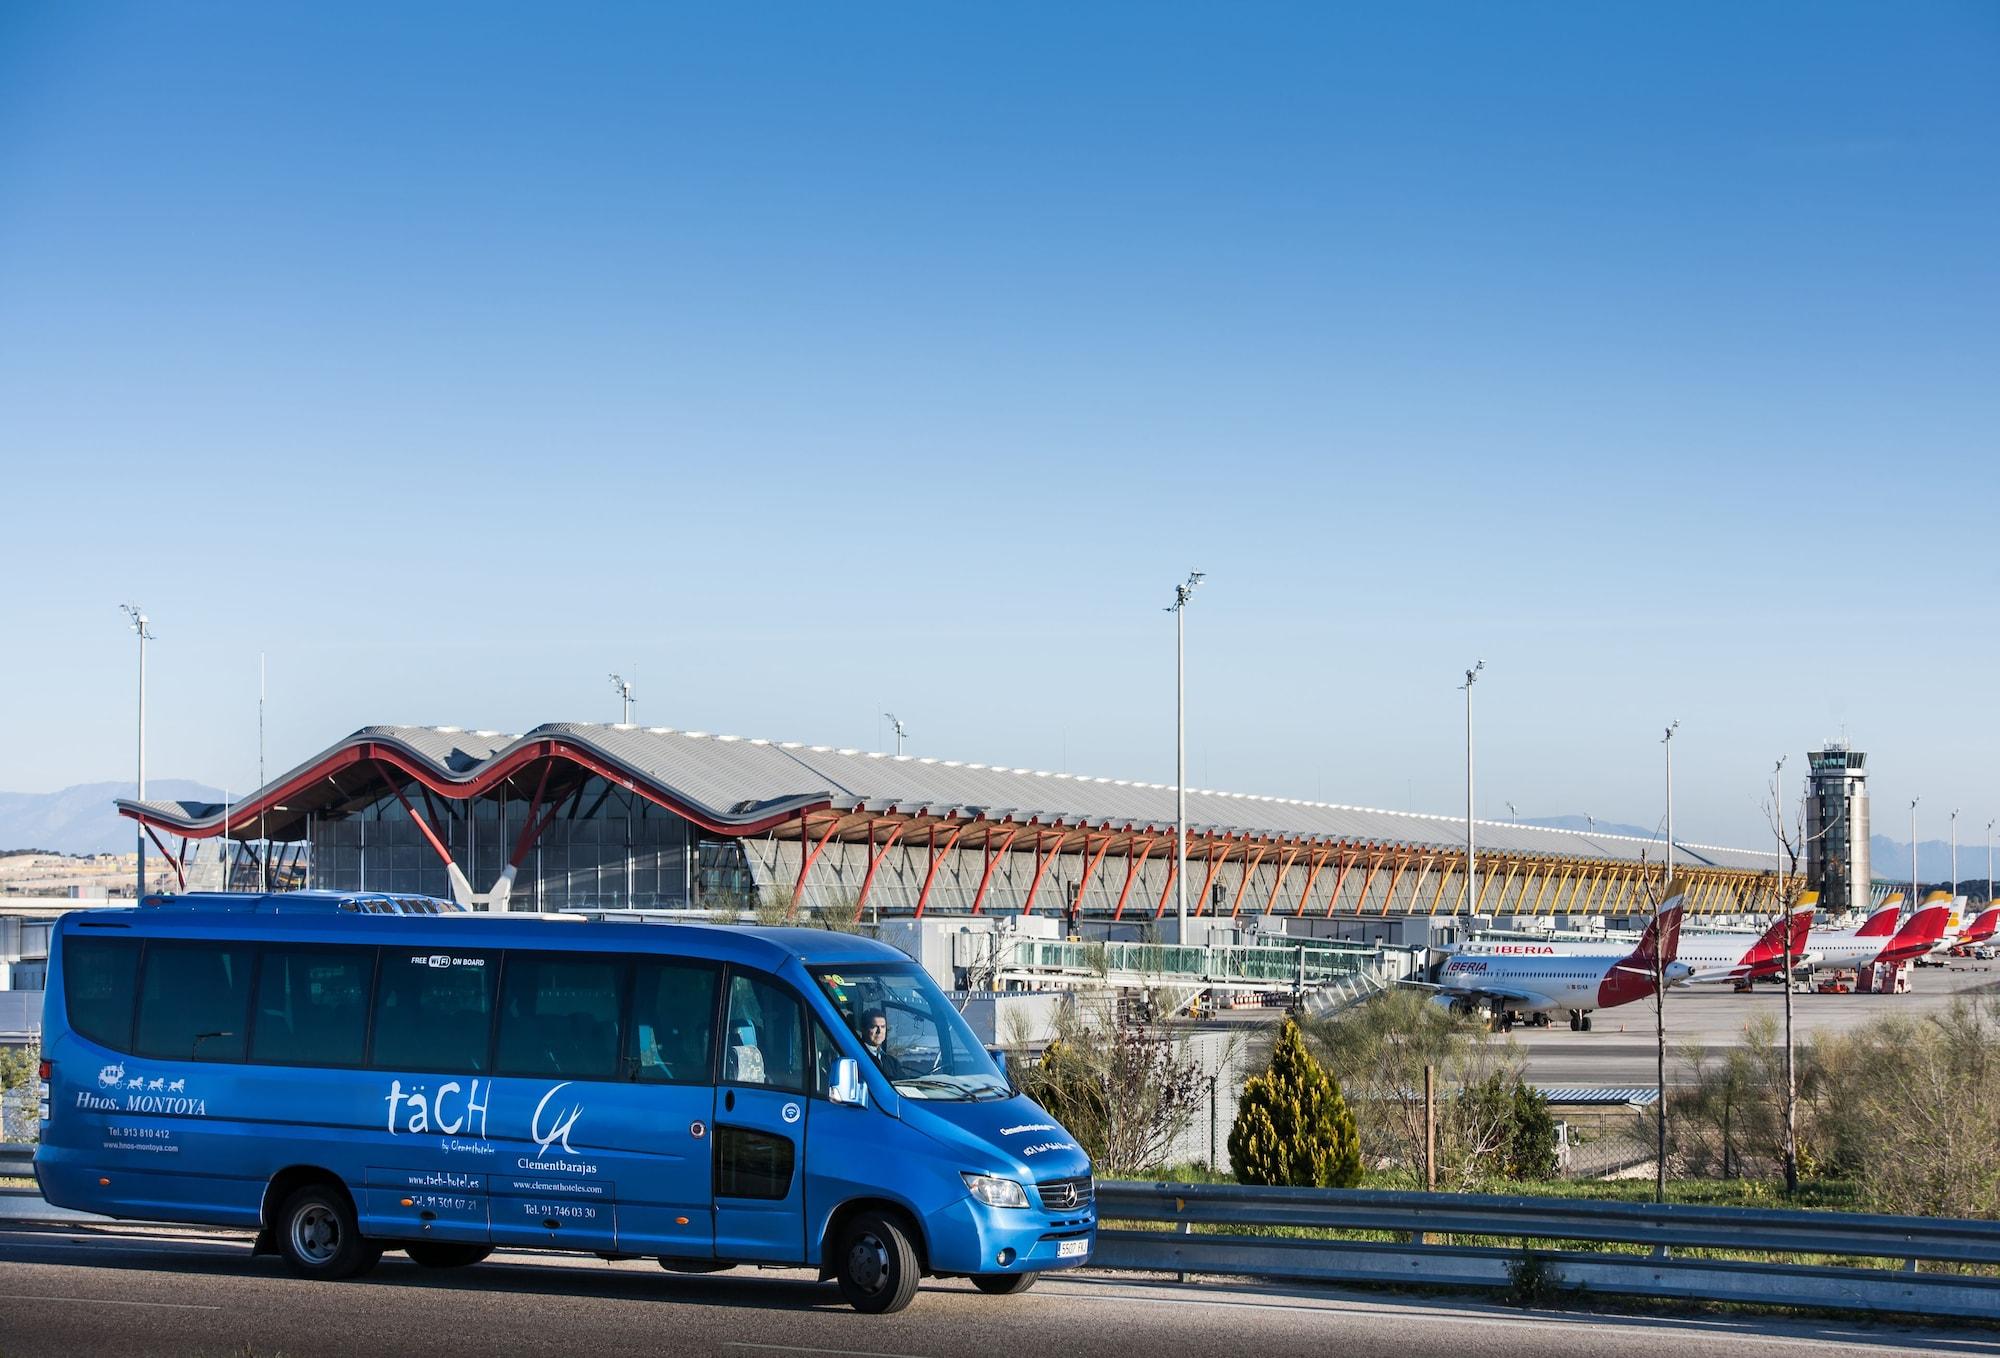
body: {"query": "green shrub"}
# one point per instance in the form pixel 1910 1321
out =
pixel 1293 1126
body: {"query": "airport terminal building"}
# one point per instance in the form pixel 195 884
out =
pixel 576 816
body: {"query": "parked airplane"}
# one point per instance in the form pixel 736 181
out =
pixel 1978 929
pixel 1918 935
pixel 1710 954
pixel 1510 984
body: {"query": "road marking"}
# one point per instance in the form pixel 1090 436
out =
pixel 1717 1328
pixel 103 1301
pixel 796 1348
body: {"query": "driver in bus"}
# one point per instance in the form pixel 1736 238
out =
pixel 875 1038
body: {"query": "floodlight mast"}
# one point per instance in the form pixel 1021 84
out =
pixel 264 854
pixel 1471 851
pixel 624 690
pixel 1954 860
pixel 141 627
pixel 897 722
pixel 1668 741
pixel 1913 851
pixel 1182 593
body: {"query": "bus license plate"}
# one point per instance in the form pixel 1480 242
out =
pixel 1072 1249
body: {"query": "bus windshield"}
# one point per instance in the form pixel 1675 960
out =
pixel 912 1031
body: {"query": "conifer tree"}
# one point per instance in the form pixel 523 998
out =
pixel 1292 1125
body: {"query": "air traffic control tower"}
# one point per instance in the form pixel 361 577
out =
pixel 1837 828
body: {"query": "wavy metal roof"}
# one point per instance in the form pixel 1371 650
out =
pixel 747 786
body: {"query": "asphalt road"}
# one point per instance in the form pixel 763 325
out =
pixel 108 1291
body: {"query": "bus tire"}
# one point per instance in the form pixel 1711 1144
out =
pixel 1004 1284
pixel 445 1253
pixel 319 1237
pixel 877 1265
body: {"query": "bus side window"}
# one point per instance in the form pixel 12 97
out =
pixel 559 1016
pixel 312 1006
pixel 825 1052
pixel 433 1010
pixel 673 1022
pixel 763 1041
pixel 194 1001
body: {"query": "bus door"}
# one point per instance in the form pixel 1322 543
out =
pixel 760 1123
pixel 662 1120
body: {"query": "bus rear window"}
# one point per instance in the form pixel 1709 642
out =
pixel 98 977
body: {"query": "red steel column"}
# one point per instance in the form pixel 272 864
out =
pixel 986 877
pixel 937 858
pixel 1132 866
pixel 875 861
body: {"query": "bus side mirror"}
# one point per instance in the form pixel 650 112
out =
pixel 999 1056
pixel 847 1087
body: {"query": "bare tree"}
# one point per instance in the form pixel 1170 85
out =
pixel 1656 894
pixel 1788 887
pixel 1125 1089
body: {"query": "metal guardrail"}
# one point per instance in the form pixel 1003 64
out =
pixel 17 1162
pixel 1564 1229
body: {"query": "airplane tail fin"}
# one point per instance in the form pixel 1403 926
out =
pixel 1882 922
pixel 1984 925
pixel 1661 942
pixel 1926 926
pixel 1797 922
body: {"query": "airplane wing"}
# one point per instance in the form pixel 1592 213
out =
pixel 1709 975
pixel 1485 990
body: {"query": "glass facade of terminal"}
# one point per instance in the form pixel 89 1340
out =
pixel 605 848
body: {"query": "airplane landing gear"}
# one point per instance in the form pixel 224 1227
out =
pixel 1579 1022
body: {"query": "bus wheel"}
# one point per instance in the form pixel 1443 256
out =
pixel 878 1265
pixel 1004 1284
pixel 445 1253
pixel 318 1236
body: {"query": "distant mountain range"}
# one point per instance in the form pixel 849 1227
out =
pixel 81 819
pixel 1888 859
pixel 1585 824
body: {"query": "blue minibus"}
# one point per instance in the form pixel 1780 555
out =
pixel 351 1073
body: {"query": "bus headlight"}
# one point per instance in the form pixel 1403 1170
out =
pixel 994 1191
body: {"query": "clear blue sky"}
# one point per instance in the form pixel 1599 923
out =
pixel 805 361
